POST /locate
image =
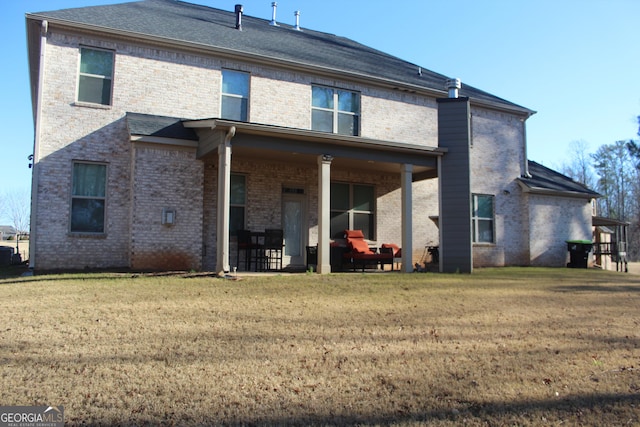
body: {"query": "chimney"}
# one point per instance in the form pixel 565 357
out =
pixel 297 15
pixel 452 85
pixel 454 176
pixel 239 11
pixel 273 15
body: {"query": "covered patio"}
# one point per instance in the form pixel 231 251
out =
pixel 220 139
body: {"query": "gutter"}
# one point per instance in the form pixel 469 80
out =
pixel 185 143
pixel 525 145
pixel 559 193
pixel 310 135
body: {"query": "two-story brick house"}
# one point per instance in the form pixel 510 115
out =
pixel 161 127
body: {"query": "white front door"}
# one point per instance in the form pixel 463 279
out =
pixel 293 224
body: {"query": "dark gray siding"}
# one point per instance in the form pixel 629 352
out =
pixel 455 185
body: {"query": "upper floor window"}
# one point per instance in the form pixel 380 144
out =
pixel 482 218
pixel 335 110
pixel 88 197
pixel 95 79
pixel 235 95
pixel 352 208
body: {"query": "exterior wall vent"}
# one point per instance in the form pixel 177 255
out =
pixel 168 216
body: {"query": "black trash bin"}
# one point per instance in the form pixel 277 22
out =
pixel 579 253
pixel 6 254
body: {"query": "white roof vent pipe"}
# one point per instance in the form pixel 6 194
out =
pixel 239 11
pixel 297 15
pixel 453 86
pixel 273 22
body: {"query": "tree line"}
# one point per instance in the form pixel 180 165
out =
pixel 614 172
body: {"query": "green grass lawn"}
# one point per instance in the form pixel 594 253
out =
pixel 512 346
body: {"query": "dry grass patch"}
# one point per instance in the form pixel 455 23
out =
pixel 500 347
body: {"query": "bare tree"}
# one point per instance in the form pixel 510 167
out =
pixel 634 147
pixel 579 166
pixel 616 171
pixel 16 207
pixel 618 179
pixel 634 151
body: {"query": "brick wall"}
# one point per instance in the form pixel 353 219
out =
pixel 57 248
pixel 553 220
pixel 142 181
pixel 147 80
pixel 166 178
pixel 497 160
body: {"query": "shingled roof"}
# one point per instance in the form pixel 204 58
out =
pixel 547 181
pixel 208 28
pixel 159 126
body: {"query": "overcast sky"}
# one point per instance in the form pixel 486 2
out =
pixel 575 62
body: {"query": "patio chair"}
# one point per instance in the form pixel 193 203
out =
pixel 394 250
pixel 251 249
pixel 359 252
pixel 272 249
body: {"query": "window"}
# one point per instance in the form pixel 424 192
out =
pixel 482 218
pixel 238 201
pixel 88 197
pixel 235 95
pixel 335 110
pixel 352 208
pixel 95 79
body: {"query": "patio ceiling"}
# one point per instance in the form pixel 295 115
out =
pixel 249 140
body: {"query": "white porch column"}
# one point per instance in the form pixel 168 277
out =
pixel 224 190
pixel 324 218
pixel 407 223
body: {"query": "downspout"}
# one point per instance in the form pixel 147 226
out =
pixel 524 145
pixel 36 149
pixel 230 134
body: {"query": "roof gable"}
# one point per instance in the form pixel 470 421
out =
pixel 213 28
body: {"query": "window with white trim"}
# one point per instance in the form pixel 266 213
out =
pixel 88 197
pixel 352 208
pixel 95 77
pixel 235 95
pixel 482 218
pixel 335 110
